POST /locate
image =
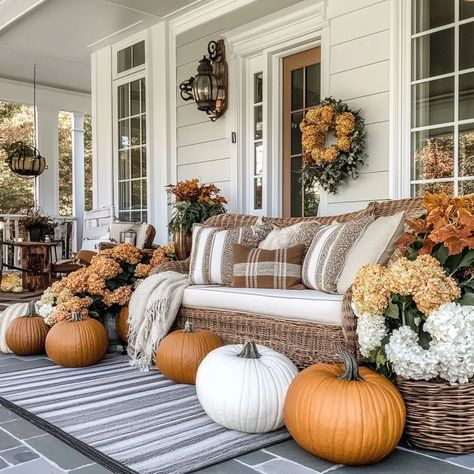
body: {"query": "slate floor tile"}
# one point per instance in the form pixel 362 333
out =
pixel 92 469
pixel 466 460
pixel 58 452
pixel 6 415
pixel 3 464
pixel 7 441
pixel 228 467
pixel 37 466
pixel 290 450
pixel 404 462
pixel 19 455
pixel 22 429
pixel 283 466
pixel 256 457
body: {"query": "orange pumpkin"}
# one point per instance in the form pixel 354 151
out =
pixel 122 324
pixel 179 354
pixel 77 342
pixel 26 334
pixel 342 415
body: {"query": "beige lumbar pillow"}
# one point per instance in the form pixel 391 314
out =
pixel 280 238
pixel 376 245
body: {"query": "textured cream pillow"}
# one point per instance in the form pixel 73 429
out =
pixel 375 246
pixel 280 238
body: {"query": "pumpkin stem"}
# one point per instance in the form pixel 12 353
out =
pixel 351 368
pixel 75 316
pixel 249 351
pixel 189 327
pixel 31 309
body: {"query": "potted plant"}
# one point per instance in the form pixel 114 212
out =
pixel 415 322
pixel 193 203
pixel 37 225
pixel 24 159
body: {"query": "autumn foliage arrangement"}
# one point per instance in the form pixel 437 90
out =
pixel 415 317
pixel 106 285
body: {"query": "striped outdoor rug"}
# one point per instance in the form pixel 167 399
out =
pixel 142 420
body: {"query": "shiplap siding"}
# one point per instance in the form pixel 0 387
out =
pixel 204 149
pixel 360 74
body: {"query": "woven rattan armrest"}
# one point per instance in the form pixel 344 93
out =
pixel 180 266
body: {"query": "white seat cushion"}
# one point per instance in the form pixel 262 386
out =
pixel 300 305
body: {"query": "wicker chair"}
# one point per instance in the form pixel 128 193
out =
pixel 303 342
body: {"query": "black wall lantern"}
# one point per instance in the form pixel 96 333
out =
pixel 209 87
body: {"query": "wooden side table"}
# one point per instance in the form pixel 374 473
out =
pixel 35 261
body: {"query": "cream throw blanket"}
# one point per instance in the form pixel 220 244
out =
pixel 151 313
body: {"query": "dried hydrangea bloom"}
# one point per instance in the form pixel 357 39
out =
pixel 370 290
pixel 142 270
pixel 120 296
pixel 96 284
pixel 75 304
pixel 58 286
pixel 127 253
pixel 327 114
pixel 345 124
pixel 330 154
pixel 436 292
pixel 63 296
pixel 76 282
pixel 105 267
pixel 343 143
pixel 313 115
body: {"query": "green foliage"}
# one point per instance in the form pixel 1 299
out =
pixel 187 213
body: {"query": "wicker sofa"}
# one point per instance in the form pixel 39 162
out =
pixel 305 342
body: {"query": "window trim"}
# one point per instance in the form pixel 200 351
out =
pixel 401 181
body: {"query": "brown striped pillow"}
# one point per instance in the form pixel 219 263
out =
pixel 328 251
pixel 211 252
pixel 259 268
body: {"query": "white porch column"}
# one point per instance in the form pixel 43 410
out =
pixel 78 179
pixel 48 183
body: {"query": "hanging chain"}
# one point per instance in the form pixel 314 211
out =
pixel 35 138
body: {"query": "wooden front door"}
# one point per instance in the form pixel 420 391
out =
pixel 301 91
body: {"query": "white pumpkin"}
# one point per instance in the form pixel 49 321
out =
pixel 6 317
pixel 243 386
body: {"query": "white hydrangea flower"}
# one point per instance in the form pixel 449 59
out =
pixel 48 297
pixel 370 332
pixel 45 310
pixel 408 358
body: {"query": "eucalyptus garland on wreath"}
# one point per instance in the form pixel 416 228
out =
pixel 332 165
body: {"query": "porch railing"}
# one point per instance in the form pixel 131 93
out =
pixel 64 233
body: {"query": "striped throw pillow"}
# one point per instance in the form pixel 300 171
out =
pixel 212 251
pixel 260 268
pixel 328 251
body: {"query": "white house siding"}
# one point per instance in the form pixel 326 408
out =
pixel 204 149
pixel 359 73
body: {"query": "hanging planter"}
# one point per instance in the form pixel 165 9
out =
pixel 24 159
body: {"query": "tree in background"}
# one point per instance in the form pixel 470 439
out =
pixel 16 192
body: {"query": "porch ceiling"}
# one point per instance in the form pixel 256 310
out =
pixel 59 35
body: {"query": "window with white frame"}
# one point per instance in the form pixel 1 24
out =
pixel 255 152
pixel 131 123
pixel 442 96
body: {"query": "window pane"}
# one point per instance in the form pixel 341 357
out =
pixel 136 194
pixel 297 89
pixel 421 189
pixel 135 131
pixel 143 149
pixel 124 133
pixel 433 102
pixel 144 194
pixel 311 200
pixel 258 88
pixel 143 128
pixel 466 187
pixel 466 9
pixel 258 122
pixel 123 106
pixel 138 53
pixel 258 154
pixel 124 192
pixel 466 150
pixel 143 96
pixel 124 164
pixel 124 59
pixel 313 85
pixel 136 216
pixel 296 188
pixel 257 193
pixel 296 119
pixel 466 51
pixel 124 216
pixel 433 55
pixel 135 97
pixel 427 14
pixel 433 154
pixel 135 153
pixel 466 96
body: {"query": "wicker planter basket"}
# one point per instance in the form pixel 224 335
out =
pixel 440 416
